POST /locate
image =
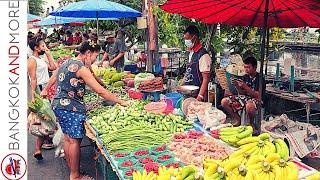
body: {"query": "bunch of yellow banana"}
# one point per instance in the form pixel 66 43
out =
pixel 262 166
pixel 315 176
pixel 285 170
pixel 232 135
pixel 240 173
pixel 259 145
pixel 208 162
pixel 281 148
pixel 166 173
pixel 144 176
pixel 187 173
pixel 272 167
pixel 215 169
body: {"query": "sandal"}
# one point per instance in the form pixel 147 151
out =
pixel 38 156
pixel 85 177
pixel 47 146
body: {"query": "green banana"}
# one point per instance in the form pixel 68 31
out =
pixel 264 136
pixel 248 140
pixel 246 133
pixel 283 150
pixel 232 129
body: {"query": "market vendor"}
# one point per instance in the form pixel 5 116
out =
pixel 198 67
pixel 114 52
pixel 68 103
pixel 68 39
pixel 248 93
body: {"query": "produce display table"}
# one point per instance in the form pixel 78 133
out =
pixel 191 147
pixel 92 133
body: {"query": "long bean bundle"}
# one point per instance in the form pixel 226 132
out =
pixel 132 137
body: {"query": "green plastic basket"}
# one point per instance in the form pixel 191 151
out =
pixel 142 156
pixel 142 165
pixel 166 161
pixel 157 153
pixel 121 159
pixel 128 167
pixel 134 167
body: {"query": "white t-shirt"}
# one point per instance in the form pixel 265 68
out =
pixel 41 71
pixel 204 62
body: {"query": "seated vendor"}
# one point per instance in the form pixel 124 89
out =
pixel 198 66
pixel 248 93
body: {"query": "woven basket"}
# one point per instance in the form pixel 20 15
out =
pixel 222 79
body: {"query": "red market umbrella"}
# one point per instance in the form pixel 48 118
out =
pixel 259 13
pixel 281 13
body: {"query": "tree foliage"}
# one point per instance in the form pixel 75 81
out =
pixel 36 7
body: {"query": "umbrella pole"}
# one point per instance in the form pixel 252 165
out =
pixel 98 34
pixel 267 49
pixel 265 24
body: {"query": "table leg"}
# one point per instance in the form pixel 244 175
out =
pixel 308 116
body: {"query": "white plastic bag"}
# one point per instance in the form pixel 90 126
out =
pixel 58 142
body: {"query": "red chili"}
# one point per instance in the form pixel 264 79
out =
pixel 121 155
pixel 164 157
pixel 161 148
pixel 141 153
pixel 127 164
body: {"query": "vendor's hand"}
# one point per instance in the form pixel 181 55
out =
pixel 33 99
pixel 112 62
pixel 199 98
pixel 234 82
pixel 242 84
pixel 47 51
pixel 44 93
pixel 123 103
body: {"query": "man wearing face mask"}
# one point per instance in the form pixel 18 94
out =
pixel 114 52
pixel 199 63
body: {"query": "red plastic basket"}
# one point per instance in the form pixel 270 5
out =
pixel 135 94
pixel 169 109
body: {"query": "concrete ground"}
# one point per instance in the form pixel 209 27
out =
pixel 52 168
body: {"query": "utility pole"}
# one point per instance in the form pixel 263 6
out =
pixel 152 35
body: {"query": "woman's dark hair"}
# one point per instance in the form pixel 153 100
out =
pixel 250 60
pixel 85 35
pixel 35 42
pixel 193 30
pixel 89 45
pixel 68 32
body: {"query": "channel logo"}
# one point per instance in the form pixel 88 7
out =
pixel 13 167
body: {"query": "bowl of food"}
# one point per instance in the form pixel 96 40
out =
pixel 188 89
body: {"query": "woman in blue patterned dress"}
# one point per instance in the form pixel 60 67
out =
pixel 68 104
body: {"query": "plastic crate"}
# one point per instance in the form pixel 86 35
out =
pixel 133 68
pixel 105 169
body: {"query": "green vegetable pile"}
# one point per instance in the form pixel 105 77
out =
pixel 111 119
pixel 90 97
pixel 59 52
pixel 42 107
pixel 132 137
pixel 110 76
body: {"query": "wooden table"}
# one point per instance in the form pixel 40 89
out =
pixel 300 98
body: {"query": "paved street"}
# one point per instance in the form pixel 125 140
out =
pixel 52 168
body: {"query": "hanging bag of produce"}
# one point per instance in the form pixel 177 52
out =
pixel 42 107
pixel 37 126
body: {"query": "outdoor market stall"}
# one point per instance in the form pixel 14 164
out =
pixel 140 144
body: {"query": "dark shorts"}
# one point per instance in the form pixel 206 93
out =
pixel 71 123
pixel 239 102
